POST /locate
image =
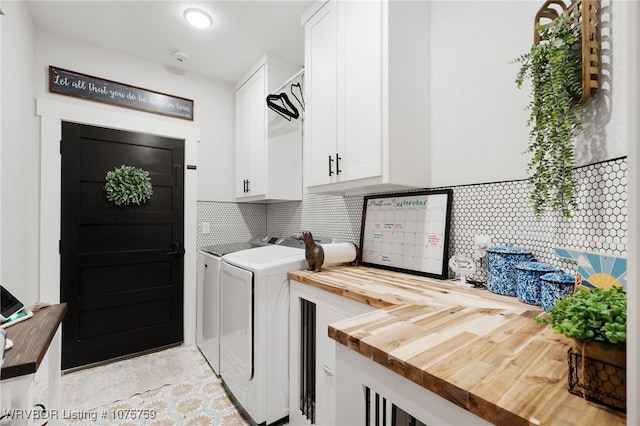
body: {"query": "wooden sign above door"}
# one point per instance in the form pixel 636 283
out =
pixel 71 83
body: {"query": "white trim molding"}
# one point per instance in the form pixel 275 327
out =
pixel 52 114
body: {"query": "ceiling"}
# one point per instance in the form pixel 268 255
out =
pixel 241 33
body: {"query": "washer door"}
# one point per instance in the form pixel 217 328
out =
pixel 236 333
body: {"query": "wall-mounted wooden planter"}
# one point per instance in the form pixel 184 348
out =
pixel 585 14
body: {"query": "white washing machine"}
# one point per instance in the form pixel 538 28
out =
pixel 254 339
pixel 209 262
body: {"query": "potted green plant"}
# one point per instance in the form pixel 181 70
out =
pixel 596 320
pixel 596 315
pixel 553 67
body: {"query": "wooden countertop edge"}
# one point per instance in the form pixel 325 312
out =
pixel 467 399
pixel 51 321
pixel 463 398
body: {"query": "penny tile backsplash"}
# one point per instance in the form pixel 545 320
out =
pixel 500 210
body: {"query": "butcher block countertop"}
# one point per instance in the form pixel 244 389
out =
pixel 477 349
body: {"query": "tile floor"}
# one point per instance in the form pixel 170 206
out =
pixel 198 401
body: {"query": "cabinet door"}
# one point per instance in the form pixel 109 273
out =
pixel 360 89
pixel 321 87
pixel 243 140
pixel 251 136
pixel 326 367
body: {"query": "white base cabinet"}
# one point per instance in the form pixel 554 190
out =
pixel 268 147
pixel 367 90
pixel 312 373
pixel 367 391
pixel 34 399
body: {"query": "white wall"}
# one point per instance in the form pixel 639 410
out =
pixel 606 120
pixel 213 100
pixel 478 120
pixel 633 137
pixel 20 165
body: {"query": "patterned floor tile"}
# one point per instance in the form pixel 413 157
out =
pixel 200 401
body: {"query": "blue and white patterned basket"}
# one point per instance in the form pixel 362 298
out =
pixel 528 284
pixel 501 272
pixel 555 285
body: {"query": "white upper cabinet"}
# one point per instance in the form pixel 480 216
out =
pixel 251 122
pixel 321 35
pixel 268 146
pixel 367 83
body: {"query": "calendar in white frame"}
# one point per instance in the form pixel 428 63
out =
pixel 407 232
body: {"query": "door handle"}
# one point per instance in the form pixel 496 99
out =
pixel 178 250
pixel 338 158
pixel 330 166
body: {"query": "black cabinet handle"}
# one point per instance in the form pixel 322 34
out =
pixel 338 158
pixel 248 187
pixel 330 166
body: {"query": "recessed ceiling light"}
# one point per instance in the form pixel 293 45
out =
pixel 197 17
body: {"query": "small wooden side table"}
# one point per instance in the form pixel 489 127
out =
pixel 32 340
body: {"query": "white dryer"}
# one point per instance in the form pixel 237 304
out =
pixel 254 339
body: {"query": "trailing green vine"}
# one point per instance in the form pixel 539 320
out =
pixel 554 68
pixel 128 185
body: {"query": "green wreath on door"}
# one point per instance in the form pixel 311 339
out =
pixel 128 185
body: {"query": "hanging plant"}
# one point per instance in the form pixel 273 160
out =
pixel 128 185
pixel 554 68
